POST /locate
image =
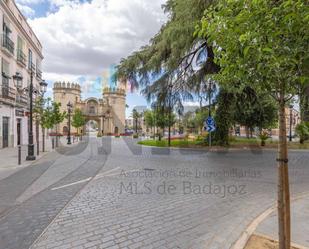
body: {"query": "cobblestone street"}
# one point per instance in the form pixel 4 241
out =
pixel 111 193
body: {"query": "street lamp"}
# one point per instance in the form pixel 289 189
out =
pixel 17 78
pixel 210 87
pixel 103 119
pixel 291 117
pixel 43 89
pixel 70 106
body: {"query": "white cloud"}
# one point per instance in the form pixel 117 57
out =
pixel 27 2
pixel 86 38
pixel 26 10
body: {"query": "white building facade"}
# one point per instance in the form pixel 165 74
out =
pixel 20 54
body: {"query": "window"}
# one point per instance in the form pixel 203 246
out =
pixel 5 69
pixel 21 57
pixel 92 110
pixel 6 27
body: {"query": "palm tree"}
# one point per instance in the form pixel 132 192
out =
pixel 136 115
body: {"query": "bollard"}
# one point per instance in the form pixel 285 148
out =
pixel 53 143
pixel 19 154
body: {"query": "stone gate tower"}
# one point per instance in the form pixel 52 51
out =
pixel 116 97
pixel 63 94
pixel 108 111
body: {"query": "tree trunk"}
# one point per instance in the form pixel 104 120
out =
pixel 169 126
pixel 283 181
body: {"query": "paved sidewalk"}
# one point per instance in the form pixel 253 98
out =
pixel 299 222
pixel 9 157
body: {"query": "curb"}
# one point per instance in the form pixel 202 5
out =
pixel 241 242
pixel 275 240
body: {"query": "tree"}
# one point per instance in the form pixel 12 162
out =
pixel 135 115
pixel 163 117
pixel 254 109
pixel 38 113
pixel 78 119
pixel 200 116
pixel 149 119
pixel 264 44
pixel 170 54
pixel 302 130
pixel 54 116
pixel 224 116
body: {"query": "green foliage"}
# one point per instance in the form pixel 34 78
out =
pixel 99 134
pixel 56 115
pixel 200 116
pixel 135 136
pixel 149 118
pixel 262 43
pixel 302 130
pixel 48 112
pixel 223 117
pixel 263 136
pixel 78 119
pixel 255 109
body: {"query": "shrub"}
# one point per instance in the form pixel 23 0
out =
pixel 99 134
pixel 263 136
pixel 302 130
pixel 135 135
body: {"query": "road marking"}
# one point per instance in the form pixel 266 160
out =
pixel 106 172
pixel 73 183
pixel 84 180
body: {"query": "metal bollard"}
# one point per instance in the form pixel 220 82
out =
pixel 53 143
pixel 19 154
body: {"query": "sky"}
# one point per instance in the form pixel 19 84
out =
pixel 84 39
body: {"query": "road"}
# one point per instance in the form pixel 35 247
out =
pixel 112 193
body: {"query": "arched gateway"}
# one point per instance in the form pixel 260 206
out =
pixel 108 111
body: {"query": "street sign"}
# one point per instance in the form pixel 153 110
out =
pixel 211 128
pixel 210 121
pixel 209 124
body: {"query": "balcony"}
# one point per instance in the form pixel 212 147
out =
pixel 21 58
pixel 7 93
pixel 31 67
pixel 7 44
pixel 22 99
pixel 38 73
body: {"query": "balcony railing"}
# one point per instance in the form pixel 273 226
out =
pixel 7 92
pixel 7 43
pixel 38 73
pixel 22 99
pixel 31 66
pixel 21 57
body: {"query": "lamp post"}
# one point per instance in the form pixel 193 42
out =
pixel 18 83
pixel 70 106
pixel 40 93
pixel 103 120
pixel 17 79
pixel 43 89
pixel 291 117
pixel 210 88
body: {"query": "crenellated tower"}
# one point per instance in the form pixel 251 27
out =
pixel 65 92
pixel 116 98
